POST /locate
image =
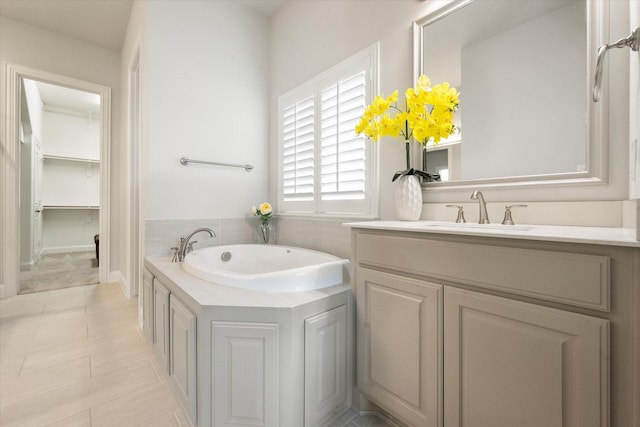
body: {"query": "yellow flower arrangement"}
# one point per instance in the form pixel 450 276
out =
pixel 428 117
pixel 264 211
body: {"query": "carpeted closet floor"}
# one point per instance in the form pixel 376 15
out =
pixel 57 271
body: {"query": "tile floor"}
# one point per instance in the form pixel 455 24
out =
pixel 76 357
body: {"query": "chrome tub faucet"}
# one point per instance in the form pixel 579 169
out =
pixel 186 245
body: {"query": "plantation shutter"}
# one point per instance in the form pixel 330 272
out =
pixel 342 153
pixel 298 151
pixel 324 168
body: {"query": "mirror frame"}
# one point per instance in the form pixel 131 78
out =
pixel 584 185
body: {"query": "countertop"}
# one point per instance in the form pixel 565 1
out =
pixel 210 294
pixel 551 233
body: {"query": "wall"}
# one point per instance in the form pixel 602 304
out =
pixel 311 36
pixel 206 87
pixel 71 135
pixel 207 99
pixel 33 47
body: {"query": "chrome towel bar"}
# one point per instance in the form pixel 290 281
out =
pixel 184 161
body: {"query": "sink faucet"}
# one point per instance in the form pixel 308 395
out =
pixel 185 246
pixel 484 218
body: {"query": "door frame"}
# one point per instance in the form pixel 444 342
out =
pixel 10 284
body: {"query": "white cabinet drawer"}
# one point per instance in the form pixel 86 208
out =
pixel 570 278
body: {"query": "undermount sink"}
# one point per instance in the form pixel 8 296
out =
pixel 473 225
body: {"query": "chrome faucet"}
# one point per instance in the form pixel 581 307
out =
pixel 186 246
pixel 484 217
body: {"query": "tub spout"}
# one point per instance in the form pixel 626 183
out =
pixel 185 246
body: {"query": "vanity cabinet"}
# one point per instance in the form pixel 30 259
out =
pixel 509 363
pixel 440 344
pixel 400 345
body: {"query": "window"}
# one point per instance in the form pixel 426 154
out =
pixel 325 168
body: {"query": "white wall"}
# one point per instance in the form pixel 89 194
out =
pixel 311 36
pixel 69 135
pixel 33 47
pixel 208 87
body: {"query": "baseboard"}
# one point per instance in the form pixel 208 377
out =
pixel 65 249
pixel 118 277
pixel 27 266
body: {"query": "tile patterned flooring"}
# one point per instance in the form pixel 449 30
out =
pixel 76 357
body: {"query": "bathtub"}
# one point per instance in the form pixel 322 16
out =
pixel 267 268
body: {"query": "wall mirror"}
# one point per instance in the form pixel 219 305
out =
pixel 524 71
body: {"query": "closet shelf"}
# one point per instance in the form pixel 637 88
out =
pixel 70 159
pixel 70 207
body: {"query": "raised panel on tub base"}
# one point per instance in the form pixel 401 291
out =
pixel 182 360
pixel 245 374
pixel 325 360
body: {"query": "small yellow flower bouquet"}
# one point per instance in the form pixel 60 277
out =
pixel 264 211
pixel 428 117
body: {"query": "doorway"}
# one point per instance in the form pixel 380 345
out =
pixel 28 219
pixel 59 187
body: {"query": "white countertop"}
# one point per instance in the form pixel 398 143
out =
pixel 210 294
pixel 550 233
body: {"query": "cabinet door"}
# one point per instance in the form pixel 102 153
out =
pixel 508 363
pixel 400 345
pixel 182 360
pixel 244 366
pixel 161 323
pixel 325 365
pixel 147 305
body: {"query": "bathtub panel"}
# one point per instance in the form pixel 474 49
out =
pixel 245 374
pixel 325 366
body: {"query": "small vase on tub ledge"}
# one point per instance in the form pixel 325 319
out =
pixel 428 116
pixel 265 212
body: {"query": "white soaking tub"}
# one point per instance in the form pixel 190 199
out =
pixel 267 268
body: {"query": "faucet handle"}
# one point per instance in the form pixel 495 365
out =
pixel 460 217
pixel 508 220
pixel 190 245
pixel 175 254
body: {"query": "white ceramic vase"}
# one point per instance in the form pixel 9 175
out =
pixel 408 198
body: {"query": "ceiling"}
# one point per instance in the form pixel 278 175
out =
pixel 62 98
pixel 98 22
